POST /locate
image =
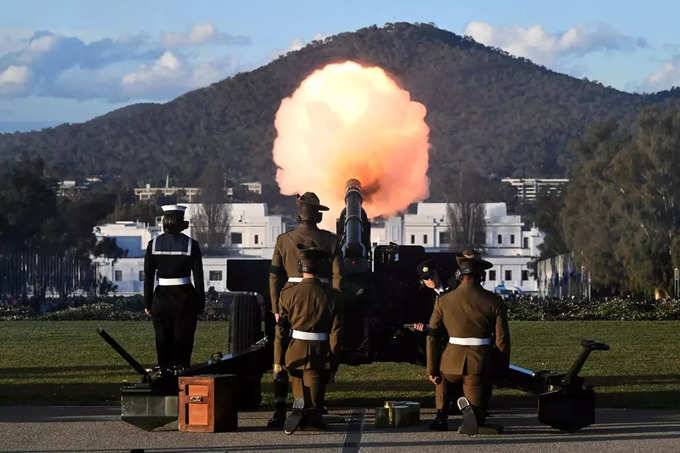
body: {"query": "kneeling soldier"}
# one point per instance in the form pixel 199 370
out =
pixel 470 315
pixel 312 312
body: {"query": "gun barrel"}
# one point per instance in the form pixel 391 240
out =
pixel 122 352
pixel 353 246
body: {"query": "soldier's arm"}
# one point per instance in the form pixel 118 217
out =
pixel 149 277
pixel 276 277
pixel 197 271
pixel 433 347
pixel 502 331
pixel 335 337
pixel 337 266
pixel 281 332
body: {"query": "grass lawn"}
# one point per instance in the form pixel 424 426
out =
pixel 48 362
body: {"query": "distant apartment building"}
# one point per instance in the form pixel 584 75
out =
pixel 74 187
pixel 188 194
pixel 528 188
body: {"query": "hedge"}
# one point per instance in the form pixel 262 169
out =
pixel 521 309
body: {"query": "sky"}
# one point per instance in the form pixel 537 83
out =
pixel 72 60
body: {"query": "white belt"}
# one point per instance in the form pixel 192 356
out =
pixel 173 281
pixel 312 336
pixel 471 341
pixel 299 279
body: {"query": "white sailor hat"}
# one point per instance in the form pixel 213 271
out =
pixel 168 208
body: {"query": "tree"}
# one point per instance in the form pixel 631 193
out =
pixel 544 213
pixel 622 212
pixel 211 223
pixel 465 213
pixel 29 205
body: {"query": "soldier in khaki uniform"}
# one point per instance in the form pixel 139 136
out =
pixel 311 312
pixel 429 276
pixel 470 315
pixel 284 273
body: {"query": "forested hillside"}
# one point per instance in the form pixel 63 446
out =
pixel 505 116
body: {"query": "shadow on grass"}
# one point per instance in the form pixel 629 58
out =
pixel 62 372
pixel 354 393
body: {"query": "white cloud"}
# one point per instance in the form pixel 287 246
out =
pixel 296 44
pixel 664 78
pixel 171 75
pixel 14 79
pixel 10 43
pixel 545 48
pixel 53 65
pixel 200 34
pixel 167 66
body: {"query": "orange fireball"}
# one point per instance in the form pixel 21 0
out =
pixel 349 121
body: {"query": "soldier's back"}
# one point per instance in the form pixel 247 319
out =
pixel 289 245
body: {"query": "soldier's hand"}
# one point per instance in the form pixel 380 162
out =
pixel 436 380
pixel 276 317
pixel 147 311
pixel 277 369
pixel 420 326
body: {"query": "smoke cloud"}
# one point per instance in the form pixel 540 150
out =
pixel 349 121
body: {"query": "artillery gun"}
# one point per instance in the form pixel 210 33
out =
pixel 381 297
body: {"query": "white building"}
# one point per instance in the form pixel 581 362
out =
pixel 509 245
pixel 252 233
pixel 130 236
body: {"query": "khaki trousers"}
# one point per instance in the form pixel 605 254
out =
pixel 474 387
pixel 310 386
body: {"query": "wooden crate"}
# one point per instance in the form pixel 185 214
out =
pixel 207 403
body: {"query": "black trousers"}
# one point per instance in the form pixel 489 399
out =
pixel 174 312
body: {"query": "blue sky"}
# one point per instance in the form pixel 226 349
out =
pixel 68 61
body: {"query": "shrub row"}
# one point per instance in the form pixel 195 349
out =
pixel 583 309
pixel 101 309
pixel 521 309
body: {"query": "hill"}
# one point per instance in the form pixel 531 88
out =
pixel 504 115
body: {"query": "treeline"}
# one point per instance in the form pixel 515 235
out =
pixel 620 213
pixel 488 111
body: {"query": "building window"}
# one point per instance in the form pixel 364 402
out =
pixel 256 239
pixel 141 276
pixel 525 275
pixel 500 238
pixel 492 275
pixel 512 238
pixel 118 276
pixel 413 239
pixel 508 275
pixel 526 243
pixel 215 276
pixel 236 238
pixel 424 238
pixel 444 237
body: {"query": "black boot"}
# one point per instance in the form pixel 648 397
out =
pixel 440 422
pixel 469 425
pixel 279 417
pixel 292 422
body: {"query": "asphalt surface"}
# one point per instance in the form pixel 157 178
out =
pixel 99 429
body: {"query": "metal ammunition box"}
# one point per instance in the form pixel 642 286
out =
pixel 141 405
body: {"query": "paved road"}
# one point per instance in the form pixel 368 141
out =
pixel 99 429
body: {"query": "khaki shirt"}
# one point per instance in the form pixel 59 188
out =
pixel 286 254
pixel 308 306
pixel 468 311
